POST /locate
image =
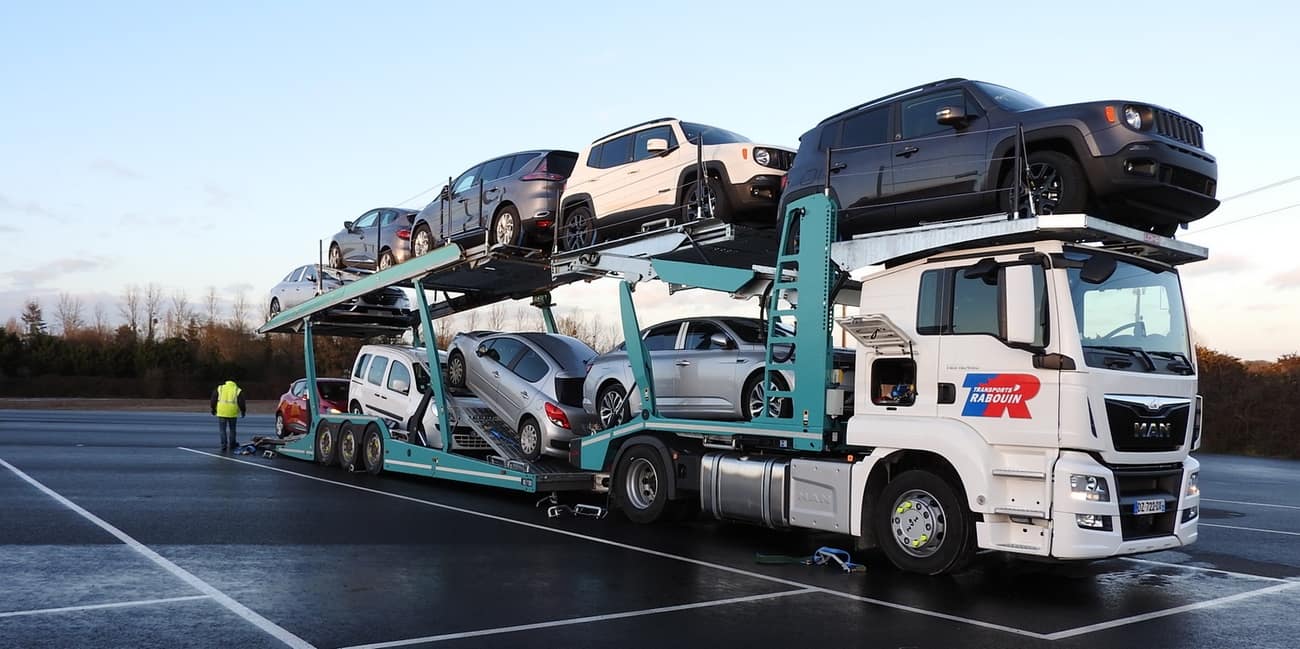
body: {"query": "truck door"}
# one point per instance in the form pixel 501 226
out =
pixel 993 387
pixel 938 167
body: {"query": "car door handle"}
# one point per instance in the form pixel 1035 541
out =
pixel 682 363
pixel 496 374
pixel 494 190
pixel 906 152
pixel 523 394
pixel 632 171
pixel 838 167
pixel 742 360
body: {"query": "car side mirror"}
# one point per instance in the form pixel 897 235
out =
pixel 720 341
pixel 482 349
pixel 347 225
pixel 656 145
pixel 442 195
pixel 1019 318
pixel 954 116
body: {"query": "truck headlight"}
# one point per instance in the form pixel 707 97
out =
pixel 1089 487
pixel 1193 489
pixel 763 157
pixel 1093 522
pixel 1133 117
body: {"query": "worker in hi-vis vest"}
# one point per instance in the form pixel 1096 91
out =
pixel 228 405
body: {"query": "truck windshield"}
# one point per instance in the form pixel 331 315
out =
pixel 1133 320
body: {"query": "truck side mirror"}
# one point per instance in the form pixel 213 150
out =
pixel 954 116
pixel 1019 317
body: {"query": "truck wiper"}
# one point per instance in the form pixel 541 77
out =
pixel 1182 364
pixel 1136 352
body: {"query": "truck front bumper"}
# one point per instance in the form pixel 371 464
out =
pixel 1095 529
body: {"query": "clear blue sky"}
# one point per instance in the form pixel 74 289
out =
pixel 197 145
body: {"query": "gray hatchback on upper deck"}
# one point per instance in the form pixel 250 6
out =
pixel 515 197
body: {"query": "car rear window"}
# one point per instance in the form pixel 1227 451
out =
pixel 570 353
pixel 333 391
pixel 561 162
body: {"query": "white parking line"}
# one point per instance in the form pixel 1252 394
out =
pixel 184 575
pixel 1249 504
pixel 1249 529
pixel 634 548
pixel 1101 626
pixel 580 620
pixel 92 607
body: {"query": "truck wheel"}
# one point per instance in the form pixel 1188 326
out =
pixel 530 439
pixel 456 369
pixel 326 444
pixel 349 445
pixel 641 484
pixel 922 525
pixel 1056 182
pixel 372 449
pixel 611 406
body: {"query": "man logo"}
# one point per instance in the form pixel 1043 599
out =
pixel 1152 430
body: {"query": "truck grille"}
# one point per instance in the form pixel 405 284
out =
pixel 1179 128
pixel 1145 483
pixel 1136 426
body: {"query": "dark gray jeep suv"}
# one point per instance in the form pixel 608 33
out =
pixel 947 150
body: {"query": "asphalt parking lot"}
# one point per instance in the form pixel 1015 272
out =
pixel 128 529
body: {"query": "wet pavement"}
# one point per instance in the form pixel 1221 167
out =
pixel 113 534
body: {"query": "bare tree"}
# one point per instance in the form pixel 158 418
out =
pixel 521 319
pixel 130 308
pixel 471 320
pixel 153 297
pixel 210 301
pixel 69 313
pixel 12 326
pixel 496 317
pixel 239 312
pixel 101 320
pixel 179 315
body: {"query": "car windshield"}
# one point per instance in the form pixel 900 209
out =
pixel 1009 99
pixel 752 331
pixel 711 134
pixel 1131 321
pixel 333 391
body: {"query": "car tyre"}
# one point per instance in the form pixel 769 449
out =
pixel 355 408
pixel 421 241
pixel 336 256
pixel 579 228
pixel 372 449
pixel 349 445
pixel 611 405
pixel 275 308
pixel 531 439
pixel 506 227
pixel 279 426
pixel 1056 182
pixel 326 444
pixel 751 397
pixel 387 260
pixel 456 369
pixel 922 524
pixel 715 205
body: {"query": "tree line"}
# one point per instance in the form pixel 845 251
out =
pixel 165 348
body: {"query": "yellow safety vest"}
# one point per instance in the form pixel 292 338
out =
pixel 228 400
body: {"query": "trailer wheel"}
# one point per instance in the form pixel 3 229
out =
pixel 349 447
pixel 641 484
pixel 326 444
pixel 372 450
pixel 922 524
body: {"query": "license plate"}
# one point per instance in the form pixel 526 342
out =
pixel 1149 507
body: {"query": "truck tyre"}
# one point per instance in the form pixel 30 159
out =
pixel 922 524
pixel 372 449
pixel 531 439
pixel 1056 182
pixel 326 444
pixel 611 405
pixel 349 447
pixel 456 370
pixel 641 484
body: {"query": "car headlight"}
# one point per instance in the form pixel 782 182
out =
pixel 1133 117
pixel 1193 488
pixel 1089 487
pixel 763 157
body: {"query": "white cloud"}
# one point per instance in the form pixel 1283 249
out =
pixel 1286 280
pixel 29 208
pixel 115 169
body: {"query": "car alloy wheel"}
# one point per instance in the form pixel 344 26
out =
pixel 336 257
pixel 422 243
pixel 1045 186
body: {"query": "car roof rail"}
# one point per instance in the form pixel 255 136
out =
pixel 896 95
pixel 628 128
